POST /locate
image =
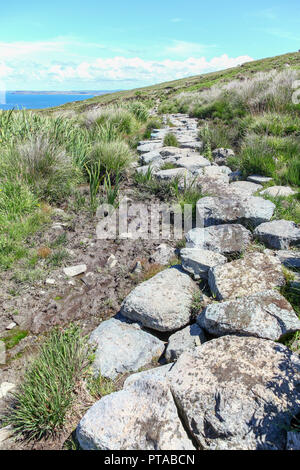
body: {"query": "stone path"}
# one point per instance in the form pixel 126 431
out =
pixel 232 386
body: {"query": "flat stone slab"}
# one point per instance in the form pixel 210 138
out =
pixel 168 175
pixel 278 191
pixel 245 188
pixel 143 416
pixel 259 179
pixel 238 393
pixel 149 147
pixel 278 234
pixel 222 210
pixel 75 270
pixel 226 239
pixel 197 262
pixel 150 157
pixel 193 163
pixel 263 315
pixel 123 347
pixel 183 340
pixel 163 302
pixel 255 272
pixel 158 374
pixel 172 152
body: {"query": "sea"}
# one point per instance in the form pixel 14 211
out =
pixel 41 101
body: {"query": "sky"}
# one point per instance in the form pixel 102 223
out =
pixel 112 45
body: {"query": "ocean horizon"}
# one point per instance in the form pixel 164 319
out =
pixel 35 100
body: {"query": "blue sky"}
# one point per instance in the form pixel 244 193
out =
pixel 97 45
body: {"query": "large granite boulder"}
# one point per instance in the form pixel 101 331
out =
pixel 255 272
pixel 226 239
pixel 162 303
pixel 238 393
pixel 123 347
pixel 278 234
pixel 188 338
pixel 197 262
pixel 264 315
pixel 141 417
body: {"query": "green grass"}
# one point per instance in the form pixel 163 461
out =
pixel 47 392
pixel 100 386
pixel 14 337
pixel 170 140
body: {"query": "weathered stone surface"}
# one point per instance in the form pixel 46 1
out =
pixel 149 147
pixel 141 417
pixel 259 179
pixel 253 273
pixel 123 347
pixel 191 145
pixel 245 188
pixel 197 262
pixel 150 157
pixel 193 163
pixel 221 155
pixel 6 433
pixel 158 374
pixel 226 239
pixel 278 234
pixel 216 172
pixel 238 393
pixel 172 152
pixel 222 210
pixel 75 270
pixel 168 175
pixel 163 254
pixel 163 302
pixel 264 315
pixel 278 191
pixel 290 259
pixel 2 352
pixel 183 340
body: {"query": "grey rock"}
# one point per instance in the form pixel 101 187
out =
pixel 149 147
pixel 226 239
pixel 253 273
pixel 163 302
pixel 163 254
pixel 197 262
pixel 123 347
pixel 2 353
pixel 263 315
pixel 6 388
pixel 159 374
pixel 141 417
pixel 245 188
pixel 257 210
pixel 221 155
pixel 172 152
pixel 235 176
pixel 290 259
pixel 150 157
pixel 278 191
pixel 259 179
pixel 168 175
pixel 183 340
pixel 193 163
pixel 72 271
pixel 238 393
pixel 278 234
pixel 6 433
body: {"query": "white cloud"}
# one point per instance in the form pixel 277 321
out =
pixel 58 64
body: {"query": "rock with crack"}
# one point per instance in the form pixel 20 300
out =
pixel 197 262
pixel 263 315
pixel 278 191
pixel 255 272
pixel 221 155
pixel 227 239
pixel 157 374
pixel 223 210
pixel 183 340
pixel 238 393
pixel 278 234
pixel 162 303
pixel 163 254
pixel 143 416
pixel 123 347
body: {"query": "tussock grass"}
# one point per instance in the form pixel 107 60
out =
pixel 170 140
pixel 47 393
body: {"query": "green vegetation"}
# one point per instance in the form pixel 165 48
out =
pixel 170 140
pixel 47 392
pixel 14 337
pixel 100 386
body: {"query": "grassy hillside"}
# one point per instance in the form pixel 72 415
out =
pixel 167 90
